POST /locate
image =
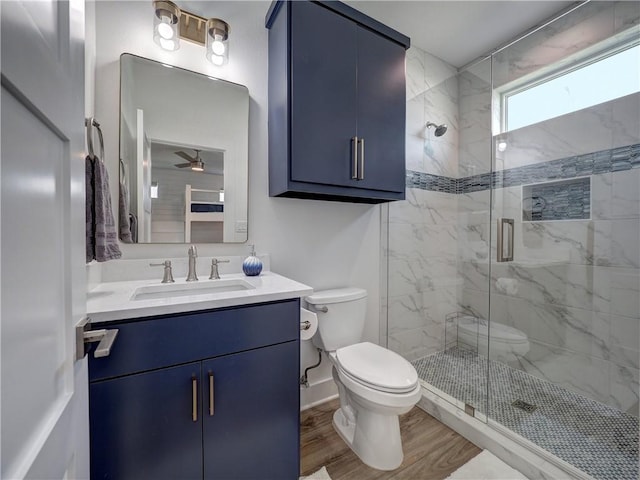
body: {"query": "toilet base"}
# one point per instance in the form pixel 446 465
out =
pixel 374 438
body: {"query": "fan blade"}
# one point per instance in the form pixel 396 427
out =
pixel 185 156
pixel 183 165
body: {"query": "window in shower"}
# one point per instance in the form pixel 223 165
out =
pixel 599 78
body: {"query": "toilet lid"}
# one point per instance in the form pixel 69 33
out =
pixel 377 367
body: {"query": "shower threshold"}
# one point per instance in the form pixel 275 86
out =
pixel 595 438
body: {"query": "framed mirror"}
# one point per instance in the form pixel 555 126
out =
pixel 184 141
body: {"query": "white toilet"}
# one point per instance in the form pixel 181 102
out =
pixel 375 384
pixel 508 344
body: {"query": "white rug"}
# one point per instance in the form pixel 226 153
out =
pixel 486 466
pixel 321 474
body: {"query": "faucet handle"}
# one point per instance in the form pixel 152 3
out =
pixel 168 275
pixel 215 261
pixel 214 268
pixel 166 263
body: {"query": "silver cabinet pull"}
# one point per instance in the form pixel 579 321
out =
pixel 106 337
pixel 501 256
pixel 211 401
pixel 361 174
pixel 354 172
pixel 194 398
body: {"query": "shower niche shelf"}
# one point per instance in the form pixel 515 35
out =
pixel 557 200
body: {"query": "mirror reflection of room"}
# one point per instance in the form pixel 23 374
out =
pixel 183 156
pixel 187 194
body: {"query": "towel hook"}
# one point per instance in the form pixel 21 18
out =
pixel 89 124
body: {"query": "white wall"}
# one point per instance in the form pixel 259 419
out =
pixel 322 244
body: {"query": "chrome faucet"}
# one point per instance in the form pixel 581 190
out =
pixel 193 253
pixel 168 276
pixel 214 268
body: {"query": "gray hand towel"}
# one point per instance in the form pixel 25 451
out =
pixel 89 207
pixel 105 236
pixel 123 214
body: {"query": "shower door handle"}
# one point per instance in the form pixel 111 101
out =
pixel 502 255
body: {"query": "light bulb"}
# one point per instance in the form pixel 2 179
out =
pixel 165 30
pixel 502 146
pixel 168 44
pixel 217 60
pixel 217 47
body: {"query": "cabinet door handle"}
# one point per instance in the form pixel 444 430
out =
pixel 361 175
pixel 194 398
pixel 211 402
pixel 354 172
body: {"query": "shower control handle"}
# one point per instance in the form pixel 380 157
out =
pixel 501 256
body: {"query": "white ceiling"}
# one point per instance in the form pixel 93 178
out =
pixel 457 31
pixel 460 31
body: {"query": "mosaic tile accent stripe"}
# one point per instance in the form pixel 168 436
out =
pixel 435 183
pixel 594 437
pixel 564 200
pixel 612 160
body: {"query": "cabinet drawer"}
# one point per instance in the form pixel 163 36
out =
pixel 162 341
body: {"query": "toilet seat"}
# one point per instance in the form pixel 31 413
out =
pixel 377 368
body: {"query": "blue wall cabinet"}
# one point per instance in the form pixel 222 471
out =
pixel 210 395
pixel 337 104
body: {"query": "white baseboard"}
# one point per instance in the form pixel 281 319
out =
pixel 317 393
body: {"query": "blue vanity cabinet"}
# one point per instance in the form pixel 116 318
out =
pixel 337 101
pixel 211 395
pixel 141 426
pixel 249 429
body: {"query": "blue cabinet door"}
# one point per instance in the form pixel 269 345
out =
pixel 253 430
pixel 323 95
pixel 142 426
pixel 381 111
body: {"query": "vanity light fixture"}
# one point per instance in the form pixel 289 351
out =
pixel 171 24
pixel 217 41
pixel 166 25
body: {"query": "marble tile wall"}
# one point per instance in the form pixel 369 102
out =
pixel 432 96
pixel 574 287
pixel 422 233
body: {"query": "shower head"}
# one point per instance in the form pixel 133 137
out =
pixel 440 129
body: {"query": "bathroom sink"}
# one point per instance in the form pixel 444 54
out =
pixel 173 290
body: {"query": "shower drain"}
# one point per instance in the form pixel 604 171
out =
pixel 522 405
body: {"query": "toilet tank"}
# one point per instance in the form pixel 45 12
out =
pixel 343 322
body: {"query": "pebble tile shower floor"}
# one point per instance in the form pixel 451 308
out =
pixel 594 437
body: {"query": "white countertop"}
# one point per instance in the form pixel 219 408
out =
pixel 113 300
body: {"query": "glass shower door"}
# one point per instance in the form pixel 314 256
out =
pixel 565 261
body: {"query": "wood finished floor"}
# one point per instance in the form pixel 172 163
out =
pixel 432 451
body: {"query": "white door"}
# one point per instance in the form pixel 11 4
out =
pixel 44 409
